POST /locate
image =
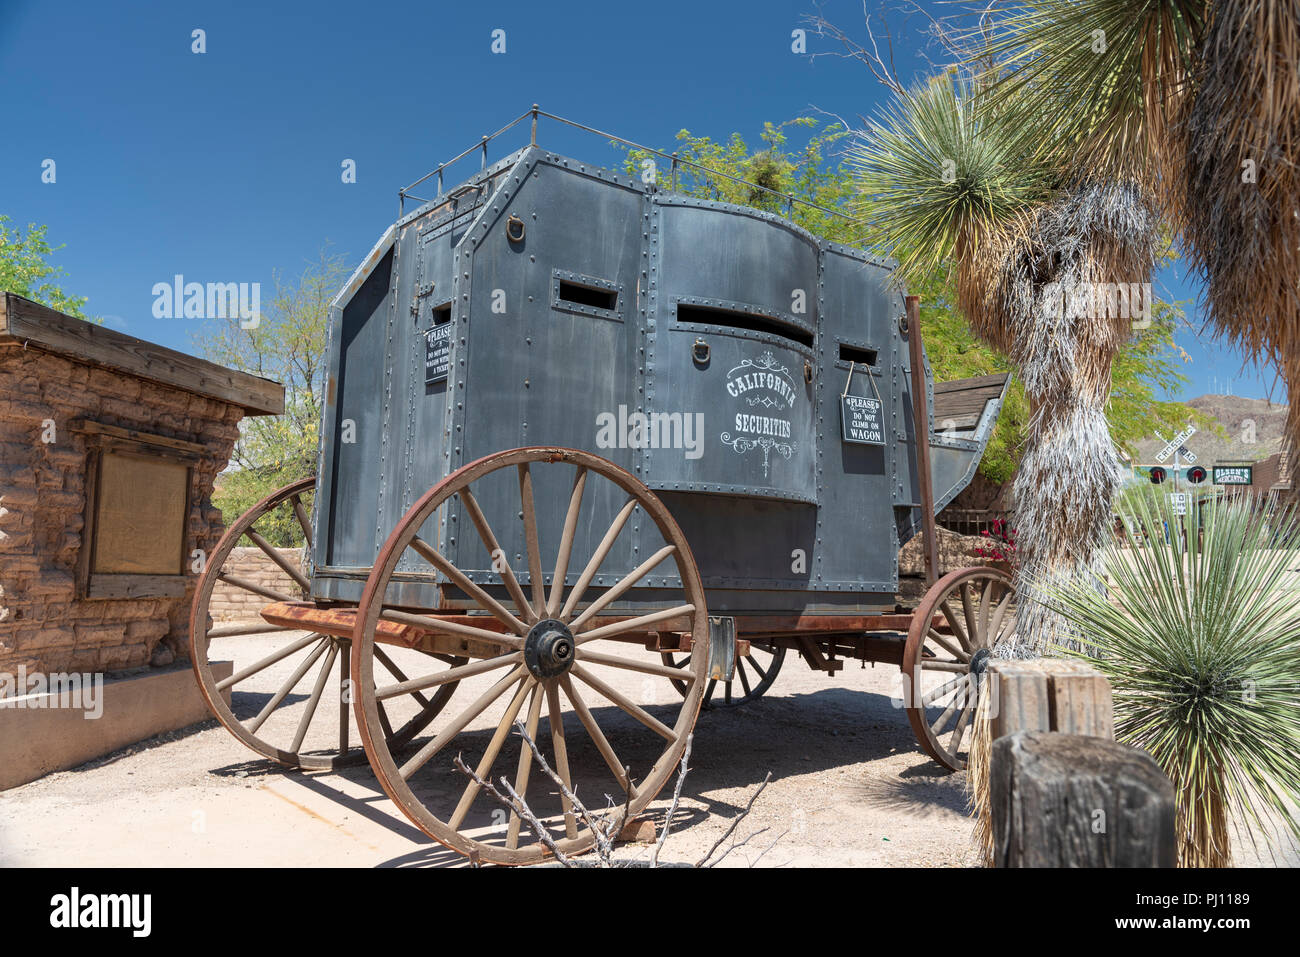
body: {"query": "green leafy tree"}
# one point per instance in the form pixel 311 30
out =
pixel 25 269
pixel 288 346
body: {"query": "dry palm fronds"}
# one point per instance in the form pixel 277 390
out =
pixel 1242 179
pixel 1063 350
pixel 977 777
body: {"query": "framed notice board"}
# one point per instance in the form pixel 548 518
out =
pixel 138 496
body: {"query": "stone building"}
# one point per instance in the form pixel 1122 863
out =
pixel 109 446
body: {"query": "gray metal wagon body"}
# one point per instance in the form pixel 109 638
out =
pixel 708 422
pixel 458 337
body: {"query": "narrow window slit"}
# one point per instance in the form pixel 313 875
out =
pixel 743 320
pixel 589 296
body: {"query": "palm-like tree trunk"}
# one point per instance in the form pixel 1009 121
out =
pixel 1059 330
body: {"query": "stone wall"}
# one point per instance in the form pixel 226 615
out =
pixel 251 564
pixel 43 623
pixel 955 551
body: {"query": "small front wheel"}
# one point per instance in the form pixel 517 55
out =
pixel 959 622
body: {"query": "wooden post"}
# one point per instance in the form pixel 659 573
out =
pixel 1049 694
pixel 1066 800
pixel 921 421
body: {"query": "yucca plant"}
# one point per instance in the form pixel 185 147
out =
pixel 944 184
pixel 1100 83
pixel 1196 623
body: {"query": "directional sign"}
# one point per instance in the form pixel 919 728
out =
pixel 1175 443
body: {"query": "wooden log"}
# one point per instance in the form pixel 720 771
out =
pixel 1081 703
pixel 1049 694
pixel 1067 800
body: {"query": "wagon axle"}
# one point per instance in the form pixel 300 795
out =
pixel 548 649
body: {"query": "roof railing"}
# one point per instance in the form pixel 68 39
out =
pixel 675 161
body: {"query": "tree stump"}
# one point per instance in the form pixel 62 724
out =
pixel 1066 800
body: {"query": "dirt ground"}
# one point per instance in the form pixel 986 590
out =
pixel 849 788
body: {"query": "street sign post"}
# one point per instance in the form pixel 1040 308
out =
pixel 1175 444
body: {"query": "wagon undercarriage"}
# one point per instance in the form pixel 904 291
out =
pixel 562 650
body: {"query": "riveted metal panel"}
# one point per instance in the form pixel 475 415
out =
pixel 574 298
pixel 348 493
pixel 735 321
pixel 541 371
pixel 858 309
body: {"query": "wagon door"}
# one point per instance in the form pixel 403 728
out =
pixel 729 395
pixel 552 338
pixel 731 439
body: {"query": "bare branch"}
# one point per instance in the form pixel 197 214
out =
pixel 763 852
pixel 703 861
pixel 559 782
pixel 672 807
pixel 520 807
pixel 884 72
pixel 737 844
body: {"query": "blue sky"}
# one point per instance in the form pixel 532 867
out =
pixel 225 166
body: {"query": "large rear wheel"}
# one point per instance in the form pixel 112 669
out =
pixel 547 650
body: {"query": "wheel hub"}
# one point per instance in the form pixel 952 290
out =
pixel 549 649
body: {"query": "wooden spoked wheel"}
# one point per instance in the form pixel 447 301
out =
pixel 274 708
pixel 960 620
pixel 546 656
pixel 753 676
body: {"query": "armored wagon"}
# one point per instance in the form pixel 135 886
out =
pixel 588 438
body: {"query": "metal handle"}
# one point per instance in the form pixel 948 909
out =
pixel 700 351
pixel 460 191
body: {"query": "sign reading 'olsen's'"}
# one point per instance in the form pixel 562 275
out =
pixel 862 420
pixel 1233 475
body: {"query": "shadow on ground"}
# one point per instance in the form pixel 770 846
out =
pixel 733 749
